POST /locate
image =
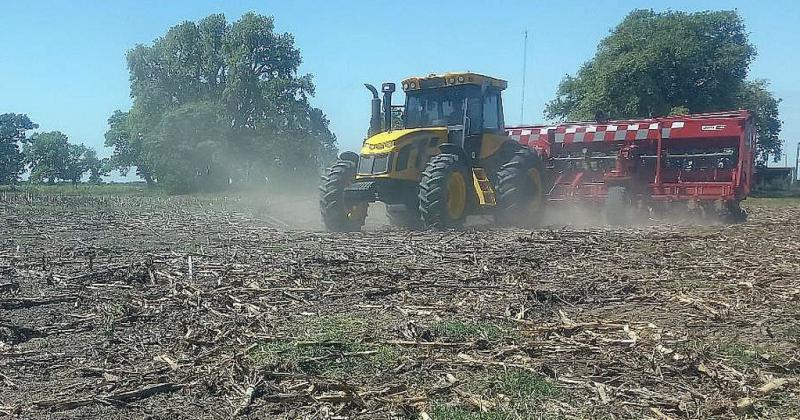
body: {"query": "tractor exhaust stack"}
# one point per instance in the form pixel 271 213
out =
pixel 375 116
pixel 388 89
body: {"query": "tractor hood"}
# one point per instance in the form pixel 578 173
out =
pixel 389 141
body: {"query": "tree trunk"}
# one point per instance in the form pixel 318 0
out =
pixel 146 175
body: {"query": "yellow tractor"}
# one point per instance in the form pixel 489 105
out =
pixel 449 158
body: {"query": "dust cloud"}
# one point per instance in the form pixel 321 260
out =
pixel 297 209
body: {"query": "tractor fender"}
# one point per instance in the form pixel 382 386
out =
pixel 349 156
pixel 454 149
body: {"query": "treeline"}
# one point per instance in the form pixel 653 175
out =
pixel 49 156
pixel 217 104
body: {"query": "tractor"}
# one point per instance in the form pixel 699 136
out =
pixel 439 158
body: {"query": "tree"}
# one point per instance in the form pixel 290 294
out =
pixel 128 143
pixel 655 64
pixel 81 160
pixel 13 128
pixel 75 164
pixel 243 73
pixel 96 167
pixel 50 157
pixel 188 147
pixel 755 97
pixel 47 156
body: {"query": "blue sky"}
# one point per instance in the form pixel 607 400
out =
pixel 63 62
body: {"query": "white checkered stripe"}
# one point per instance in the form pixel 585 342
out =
pixel 529 136
pixel 585 133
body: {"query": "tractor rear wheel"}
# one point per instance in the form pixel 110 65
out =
pixel 404 216
pixel 521 189
pixel 443 192
pixel 338 214
pixel 618 206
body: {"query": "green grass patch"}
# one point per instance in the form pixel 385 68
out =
pixel 521 384
pixel 336 328
pixel 336 360
pixel 329 345
pixel 740 354
pixel 457 413
pixel 516 393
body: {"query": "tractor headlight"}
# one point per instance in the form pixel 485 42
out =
pixel 405 86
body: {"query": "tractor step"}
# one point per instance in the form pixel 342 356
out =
pixel 483 188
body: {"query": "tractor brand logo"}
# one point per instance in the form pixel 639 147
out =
pixel 713 127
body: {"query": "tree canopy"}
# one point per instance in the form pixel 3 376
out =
pixel 13 134
pixel 47 155
pixel 215 102
pixel 656 64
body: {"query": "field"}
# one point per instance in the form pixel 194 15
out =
pixel 147 306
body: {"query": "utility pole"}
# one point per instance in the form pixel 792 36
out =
pixel 796 164
pixel 524 71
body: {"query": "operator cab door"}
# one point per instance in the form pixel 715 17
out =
pixel 484 117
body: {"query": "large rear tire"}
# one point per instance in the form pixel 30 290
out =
pixel 443 192
pixel 337 214
pixel 404 216
pixel 521 189
pixel 618 206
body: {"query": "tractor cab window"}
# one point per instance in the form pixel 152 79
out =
pixel 441 107
pixel 491 114
pixel 475 115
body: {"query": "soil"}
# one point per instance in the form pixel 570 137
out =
pixel 154 307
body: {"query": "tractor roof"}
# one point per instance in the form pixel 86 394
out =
pixel 451 79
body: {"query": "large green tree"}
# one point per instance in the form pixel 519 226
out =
pixel 13 129
pixel 245 75
pixel 655 64
pixel 47 155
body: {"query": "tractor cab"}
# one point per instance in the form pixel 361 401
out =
pixel 468 104
pixel 454 99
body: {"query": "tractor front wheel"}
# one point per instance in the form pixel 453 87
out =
pixel 443 192
pixel 338 214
